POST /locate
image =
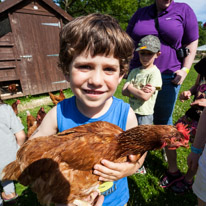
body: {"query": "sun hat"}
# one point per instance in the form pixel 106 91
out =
pixel 149 42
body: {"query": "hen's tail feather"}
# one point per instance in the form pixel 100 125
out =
pixel 11 172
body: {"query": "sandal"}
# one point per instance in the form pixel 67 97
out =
pixel 170 178
pixel 141 170
pixel 182 186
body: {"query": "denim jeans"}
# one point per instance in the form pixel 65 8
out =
pixel 166 100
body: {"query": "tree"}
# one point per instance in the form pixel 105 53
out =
pixel 122 10
pixel 202 33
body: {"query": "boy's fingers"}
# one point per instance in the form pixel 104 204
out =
pixel 99 201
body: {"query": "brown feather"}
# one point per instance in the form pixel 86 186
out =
pixel 59 167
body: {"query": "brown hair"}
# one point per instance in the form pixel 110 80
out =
pixel 95 34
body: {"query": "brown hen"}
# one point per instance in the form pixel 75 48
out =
pixel 12 88
pixel 57 98
pixel 40 115
pixel 58 168
pixel 15 106
pixel 32 122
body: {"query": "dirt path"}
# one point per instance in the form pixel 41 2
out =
pixel 34 103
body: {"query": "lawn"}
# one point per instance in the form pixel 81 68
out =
pixel 144 189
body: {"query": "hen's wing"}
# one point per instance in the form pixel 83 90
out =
pixel 66 158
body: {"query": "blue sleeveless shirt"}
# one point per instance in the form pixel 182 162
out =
pixel 68 116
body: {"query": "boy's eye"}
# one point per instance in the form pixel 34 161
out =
pixel 109 69
pixel 84 67
pixel 146 53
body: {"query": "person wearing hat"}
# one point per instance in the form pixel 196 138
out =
pixel 143 83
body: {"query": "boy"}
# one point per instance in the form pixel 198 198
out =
pixel 94 56
pixel 143 83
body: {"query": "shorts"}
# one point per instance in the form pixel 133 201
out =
pixel 199 186
pixel 144 119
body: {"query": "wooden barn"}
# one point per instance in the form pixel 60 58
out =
pixel 29 47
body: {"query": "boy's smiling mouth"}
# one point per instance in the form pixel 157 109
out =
pixel 93 92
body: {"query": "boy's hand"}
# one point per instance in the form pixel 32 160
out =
pixel 185 95
pixel 110 171
pixel 200 102
pixel 148 88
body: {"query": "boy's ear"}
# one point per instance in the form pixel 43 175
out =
pixel 158 53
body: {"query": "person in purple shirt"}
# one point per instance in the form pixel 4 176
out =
pixel 176 26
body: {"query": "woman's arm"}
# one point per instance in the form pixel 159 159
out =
pixel 187 63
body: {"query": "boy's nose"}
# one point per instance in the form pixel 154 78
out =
pixel 96 78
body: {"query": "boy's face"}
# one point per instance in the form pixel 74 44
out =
pixel 94 80
pixel 147 58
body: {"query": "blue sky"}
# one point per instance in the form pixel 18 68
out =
pixel 198 6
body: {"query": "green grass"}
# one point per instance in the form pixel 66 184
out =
pixel 144 189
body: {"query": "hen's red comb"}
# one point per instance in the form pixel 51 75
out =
pixel 184 130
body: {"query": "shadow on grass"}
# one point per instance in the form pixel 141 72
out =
pixel 145 189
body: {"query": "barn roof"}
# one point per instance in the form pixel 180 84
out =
pixel 8 4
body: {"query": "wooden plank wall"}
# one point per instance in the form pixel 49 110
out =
pixel 30 52
pixel 7 59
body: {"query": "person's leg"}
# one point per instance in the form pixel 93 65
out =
pixel 166 100
pixel 199 185
pixel 163 110
pixel 172 160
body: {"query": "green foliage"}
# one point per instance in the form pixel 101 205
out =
pixel 122 10
pixel 202 34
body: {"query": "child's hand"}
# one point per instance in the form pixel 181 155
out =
pixel 110 171
pixel 200 102
pixel 185 95
pixel 148 88
pixel 192 161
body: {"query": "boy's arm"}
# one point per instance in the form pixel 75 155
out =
pixel 110 171
pixel 140 93
pixel 48 125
